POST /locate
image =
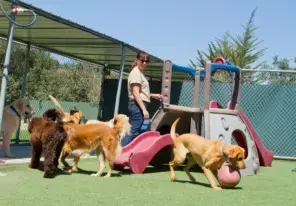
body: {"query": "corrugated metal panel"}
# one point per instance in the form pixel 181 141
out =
pixel 68 38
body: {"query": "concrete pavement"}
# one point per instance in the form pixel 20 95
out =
pixel 22 155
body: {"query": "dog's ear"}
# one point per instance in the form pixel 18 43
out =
pixel 76 109
pixel 50 114
pixel 115 120
pixel 19 105
pixel 235 151
pixel 72 112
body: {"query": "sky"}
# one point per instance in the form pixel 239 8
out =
pixel 176 29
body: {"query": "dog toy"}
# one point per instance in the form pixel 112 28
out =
pixel 228 176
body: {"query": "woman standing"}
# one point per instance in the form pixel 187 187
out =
pixel 139 96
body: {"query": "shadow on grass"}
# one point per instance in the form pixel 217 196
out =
pixel 89 172
pixel 127 171
pixel 206 184
pixel 150 169
pixel 58 171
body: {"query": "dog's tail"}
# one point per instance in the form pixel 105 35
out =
pixel 173 129
pixel 59 107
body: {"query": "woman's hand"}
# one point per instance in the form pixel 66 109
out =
pixel 136 94
pixel 157 96
pixel 145 114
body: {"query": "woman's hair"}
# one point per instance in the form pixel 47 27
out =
pixel 142 56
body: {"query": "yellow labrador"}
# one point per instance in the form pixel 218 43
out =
pixel 12 115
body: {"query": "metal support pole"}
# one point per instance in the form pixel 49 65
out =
pixel 23 90
pixel 207 92
pixel 6 67
pixel 25 71
pixel 119 81
pixel 102 97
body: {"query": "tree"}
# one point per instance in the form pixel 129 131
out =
pixel 276 77
pixel 242 50
pixel 68 81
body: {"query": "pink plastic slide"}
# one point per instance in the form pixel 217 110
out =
pixel 265 155
pixel 137 154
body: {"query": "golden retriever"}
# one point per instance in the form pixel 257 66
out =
pixel 110 123
pixel 12 115
pixel 74 116
pixel 105 140
pixel 208 154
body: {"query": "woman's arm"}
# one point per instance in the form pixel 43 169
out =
pixel 156 96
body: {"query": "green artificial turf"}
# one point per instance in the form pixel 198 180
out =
pixel 24 186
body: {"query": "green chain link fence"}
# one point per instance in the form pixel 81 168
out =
pixel 268 98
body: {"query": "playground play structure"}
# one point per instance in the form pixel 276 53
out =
pixel 153 146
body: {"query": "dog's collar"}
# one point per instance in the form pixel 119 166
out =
pixel 13 109
pixel 224 155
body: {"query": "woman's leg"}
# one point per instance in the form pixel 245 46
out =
pixel 136 120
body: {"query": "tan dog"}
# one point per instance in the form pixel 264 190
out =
pixel 74 116
pixel 110 123
pixel 208 154
pixel 12 115
pixel 83 139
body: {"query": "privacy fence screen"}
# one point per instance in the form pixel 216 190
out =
pixel 267 98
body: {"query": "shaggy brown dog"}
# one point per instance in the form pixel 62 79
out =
pixel 208 154
pixel 48 136
pixel 86 138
